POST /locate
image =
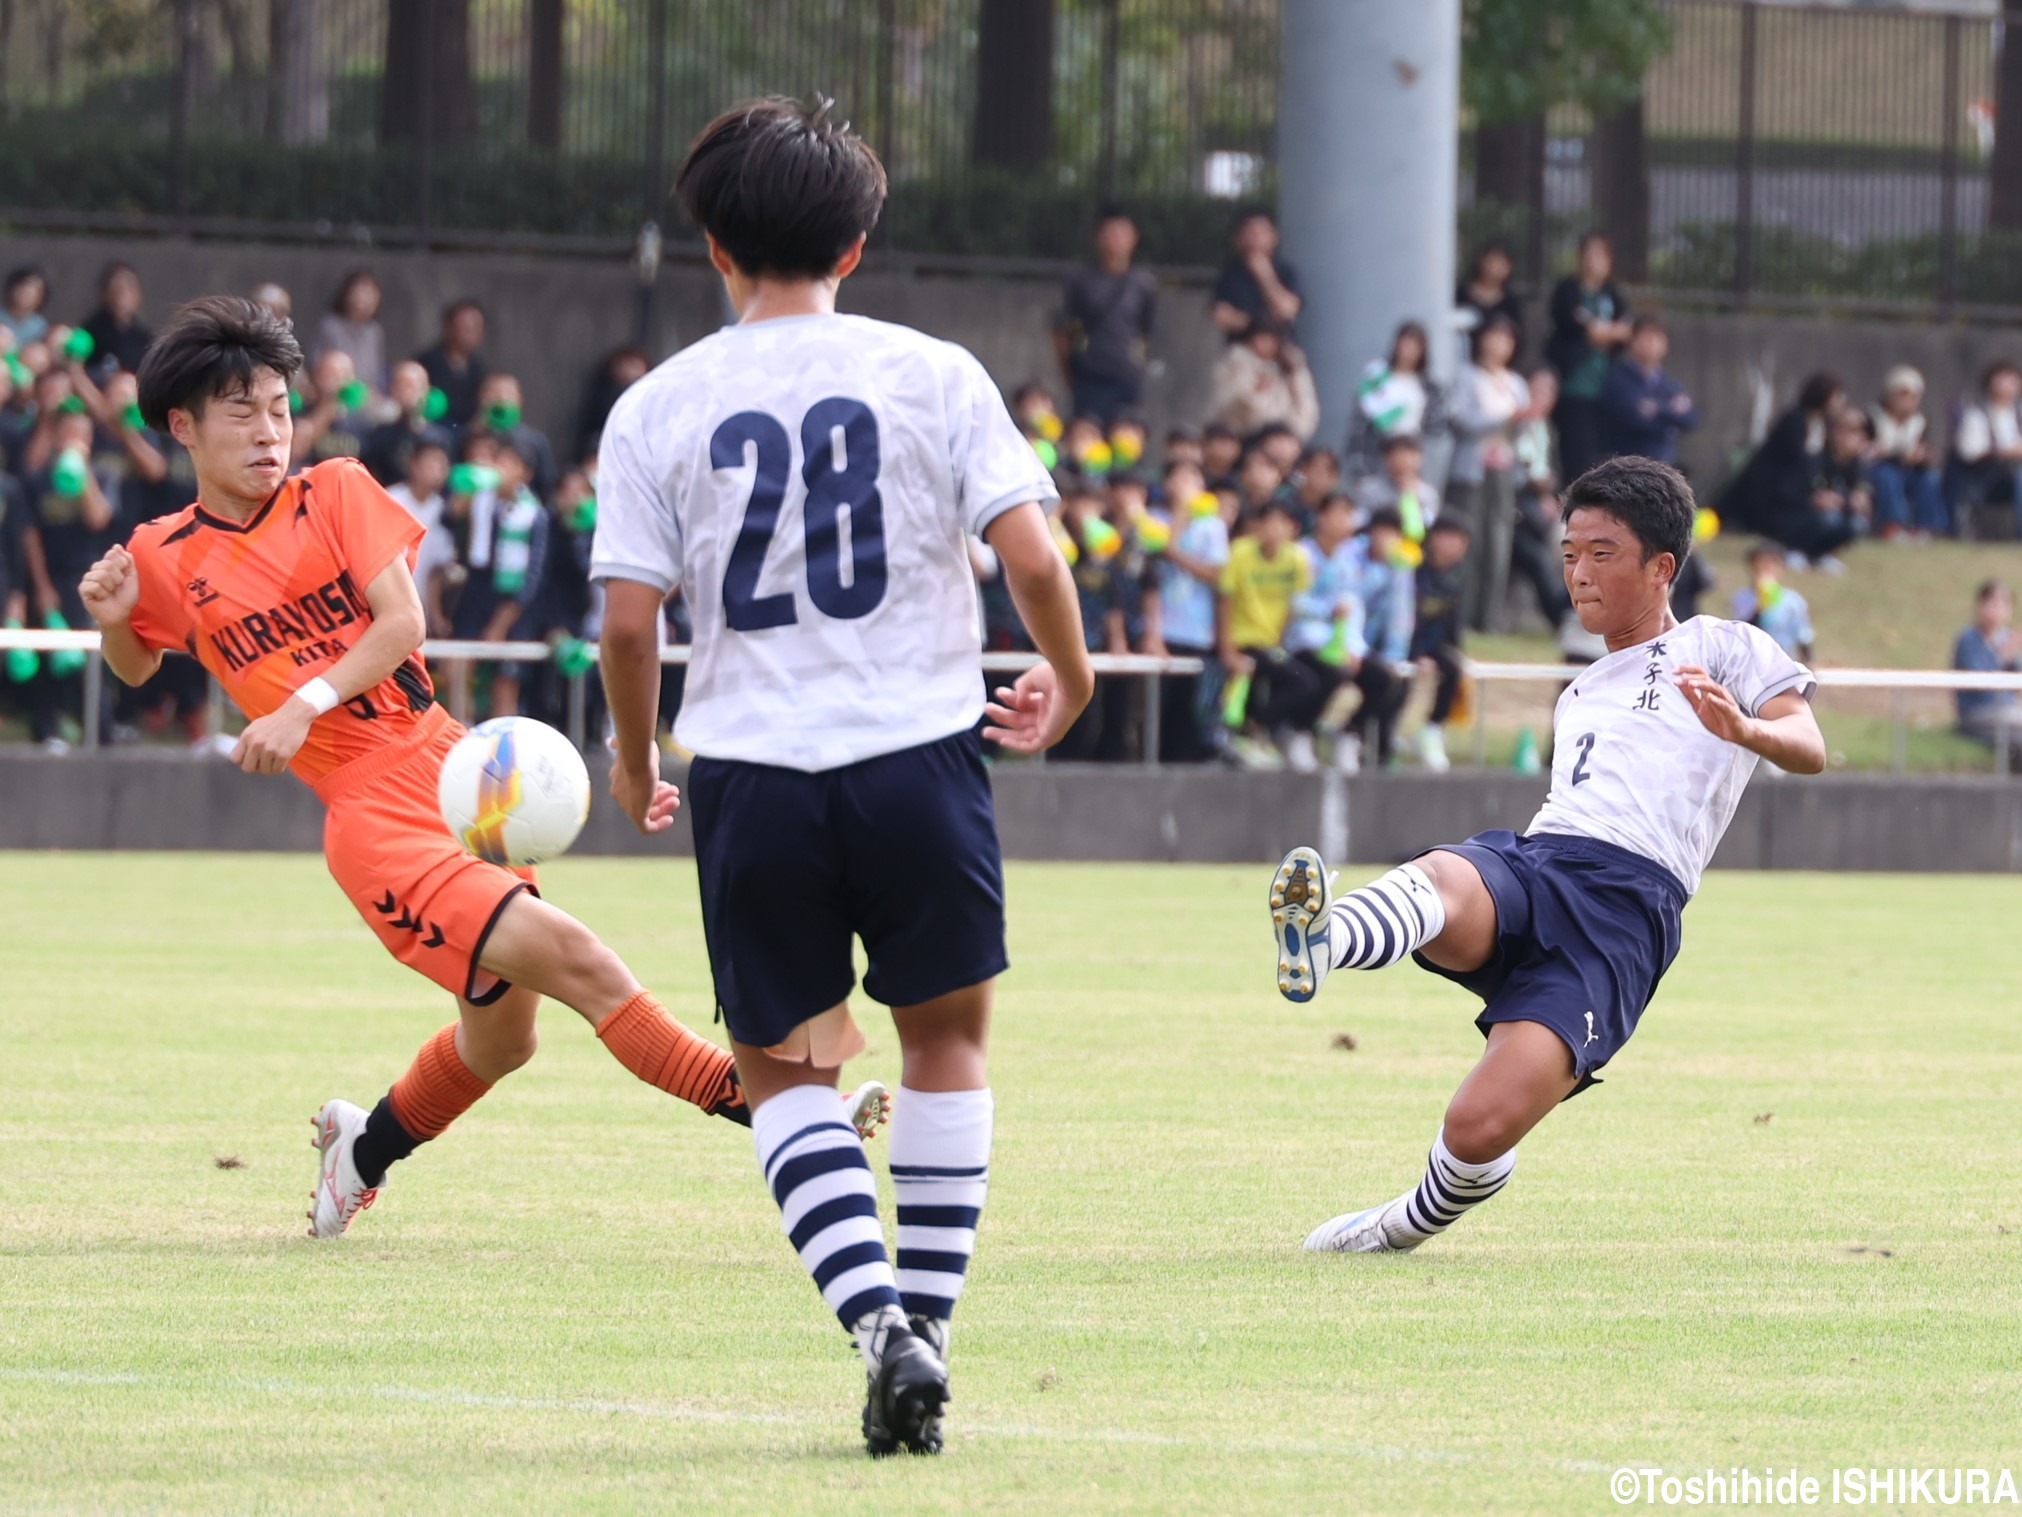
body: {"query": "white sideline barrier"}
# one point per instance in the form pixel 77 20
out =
pixel 1151 670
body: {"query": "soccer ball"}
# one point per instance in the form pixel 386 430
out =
pixel 514 791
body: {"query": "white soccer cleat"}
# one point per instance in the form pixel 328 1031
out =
pixel 869 1107
pixel 340 1194
pixel 1302 894
pixel 1359 1232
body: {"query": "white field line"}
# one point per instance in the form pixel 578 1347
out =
pixel 722 1416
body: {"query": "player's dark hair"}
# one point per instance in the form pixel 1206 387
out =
pixel 1651 499
pixel 212 347
pixel 1989 589
pixel 783 187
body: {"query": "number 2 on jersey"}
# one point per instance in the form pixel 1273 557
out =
pixel 831 485
pixel 1586 745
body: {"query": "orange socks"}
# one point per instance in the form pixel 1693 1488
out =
pixel 663 1053
pixel 437 1089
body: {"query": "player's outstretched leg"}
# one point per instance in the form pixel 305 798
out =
pixel 1525 1071
pixel 454 1068
pixel 940 1161
pixel 1369 928
pixel 814 1163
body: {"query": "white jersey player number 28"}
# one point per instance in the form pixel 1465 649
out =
pixel 839 448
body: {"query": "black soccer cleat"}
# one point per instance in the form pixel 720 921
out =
pixel 903 1400
pixel 731 1105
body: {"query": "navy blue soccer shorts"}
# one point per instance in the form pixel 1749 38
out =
pixel 1584 933
pixel 899 850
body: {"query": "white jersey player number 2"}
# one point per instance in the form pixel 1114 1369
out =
pixel 834 479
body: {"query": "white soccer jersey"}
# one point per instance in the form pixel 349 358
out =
pixel 1633 765
pixel 806 482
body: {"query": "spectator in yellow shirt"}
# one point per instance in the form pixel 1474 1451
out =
pixel 1264 572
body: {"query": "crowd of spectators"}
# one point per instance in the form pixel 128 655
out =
pixel 1319 581
pixel 509 516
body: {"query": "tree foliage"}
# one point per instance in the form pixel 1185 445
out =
pixel 1520 58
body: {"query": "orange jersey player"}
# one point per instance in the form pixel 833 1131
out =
pixel 298 595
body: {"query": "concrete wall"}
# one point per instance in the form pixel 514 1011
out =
pixel 1838 822
pixel 553 318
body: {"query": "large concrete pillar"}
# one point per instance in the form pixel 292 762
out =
pixel 1368 150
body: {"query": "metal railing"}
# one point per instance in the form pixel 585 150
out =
pixel 452 659
pixel 1898 682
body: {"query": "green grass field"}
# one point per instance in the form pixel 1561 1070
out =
pixel 1786 1231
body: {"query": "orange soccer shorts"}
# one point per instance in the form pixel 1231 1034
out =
pixel 431 903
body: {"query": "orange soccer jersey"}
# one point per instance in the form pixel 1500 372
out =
pixel 268 604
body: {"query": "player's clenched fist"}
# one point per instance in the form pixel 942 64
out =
pixel 111 587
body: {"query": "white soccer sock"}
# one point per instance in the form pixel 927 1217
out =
pixel 1451 1186
pixel 1375 926
pixel 940 1158
pixel 828 1203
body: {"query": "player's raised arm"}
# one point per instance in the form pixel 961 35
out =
pixel 1785 731
pixel 110 590
pixel 1036 713
pixel 397 629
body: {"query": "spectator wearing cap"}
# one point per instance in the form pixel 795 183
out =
pixel 1104 324
pixel 1909 495
pixel 456 364
pixel 1255 284
pixel 1643 409
pixel 22 298
pixel 1989 645
pixel 351 326
pixel 1263 380
pixel 1987 447
pixel 1489 397
pixel 118 336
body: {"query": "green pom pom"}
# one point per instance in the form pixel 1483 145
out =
pixel 18 372
pixel 67 475
pixel 1048 454
pixel 296 404
pixel 501 417
pixel 436 406
pixel 352 396
pixel 574 657
pixel 70 405
pixel 21 662
pixel 132 418
pixel 78 346
pixel 584 517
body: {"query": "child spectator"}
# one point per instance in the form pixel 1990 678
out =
pixel 1402 487
pixel 1590 320
pixel 1091 546
pixel 1329 632
pixel 1535 548
pixel 22 298
pixel 1385 586
pixel 1909 495
pixel 420 492
pixel 1842 493
pixel 351 327
pixel 1480 479
pixel 115 328
pixel 1221 452
pixel 1261 380
pixel 1989 645
pixel 1258 482
pixel 1440 585
pixel 71 520
pixel 456 364
pixel 1264 573
pixel 1190 574
pixel 1183 446
pixel 1256 284
pixel 1397 397
pixel 1766 602
pixel 505 559
pixel 1104 324
pixel 1315 476
pixel 1643 409
pixel 1987 447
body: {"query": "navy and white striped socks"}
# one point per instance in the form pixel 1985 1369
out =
pixel 828 1203
pixel 1451 1188
pixel 1377 925
pixel 940 1157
